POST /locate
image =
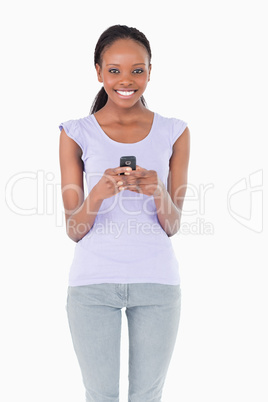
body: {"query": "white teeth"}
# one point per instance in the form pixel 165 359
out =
pixel 125 93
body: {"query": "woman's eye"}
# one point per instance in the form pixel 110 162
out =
pixel 138 71
pixel 113 70
pixel 116 71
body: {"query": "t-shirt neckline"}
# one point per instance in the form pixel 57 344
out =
pixel 125 143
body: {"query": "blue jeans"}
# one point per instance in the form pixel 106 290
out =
pixel 153 314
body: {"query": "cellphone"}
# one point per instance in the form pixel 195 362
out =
pixel 128 161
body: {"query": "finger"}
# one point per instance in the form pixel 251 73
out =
pixel 138 173
pixel 118 170
pixel 122 170
pixel 115 180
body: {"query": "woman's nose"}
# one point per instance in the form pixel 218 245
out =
pixel 126 79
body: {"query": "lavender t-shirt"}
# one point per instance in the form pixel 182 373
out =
pixel 126 244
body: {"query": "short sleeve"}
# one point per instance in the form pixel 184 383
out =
pixel 178 128
pixel 71 129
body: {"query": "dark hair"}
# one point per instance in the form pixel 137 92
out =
pixel 107 38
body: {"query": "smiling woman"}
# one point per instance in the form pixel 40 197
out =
pixel 120 72
pixel 109 37
pixel 123 256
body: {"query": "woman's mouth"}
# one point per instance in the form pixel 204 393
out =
pixel 125 94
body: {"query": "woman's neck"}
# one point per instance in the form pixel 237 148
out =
pixel 123 115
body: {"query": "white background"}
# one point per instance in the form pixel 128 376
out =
pixel 209 69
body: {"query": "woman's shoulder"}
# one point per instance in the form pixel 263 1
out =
pixel 80 126
pixel 77 128
pixel 168 119
pixel 76 121
pixel 171 126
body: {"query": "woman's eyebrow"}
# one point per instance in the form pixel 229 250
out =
pixel 113 64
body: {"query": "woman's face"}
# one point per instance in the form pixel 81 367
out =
pixel 125 72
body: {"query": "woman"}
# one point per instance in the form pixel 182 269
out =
pixel 124 256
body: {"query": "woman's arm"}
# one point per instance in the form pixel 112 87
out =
pixel 80 214
pixel 169 202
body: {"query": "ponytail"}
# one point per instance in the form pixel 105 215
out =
pixel 99 101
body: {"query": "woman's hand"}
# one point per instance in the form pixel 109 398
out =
pixel 143 181
pixel 110 183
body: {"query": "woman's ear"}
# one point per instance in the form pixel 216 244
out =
pixel 150 68
pixel 98 69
